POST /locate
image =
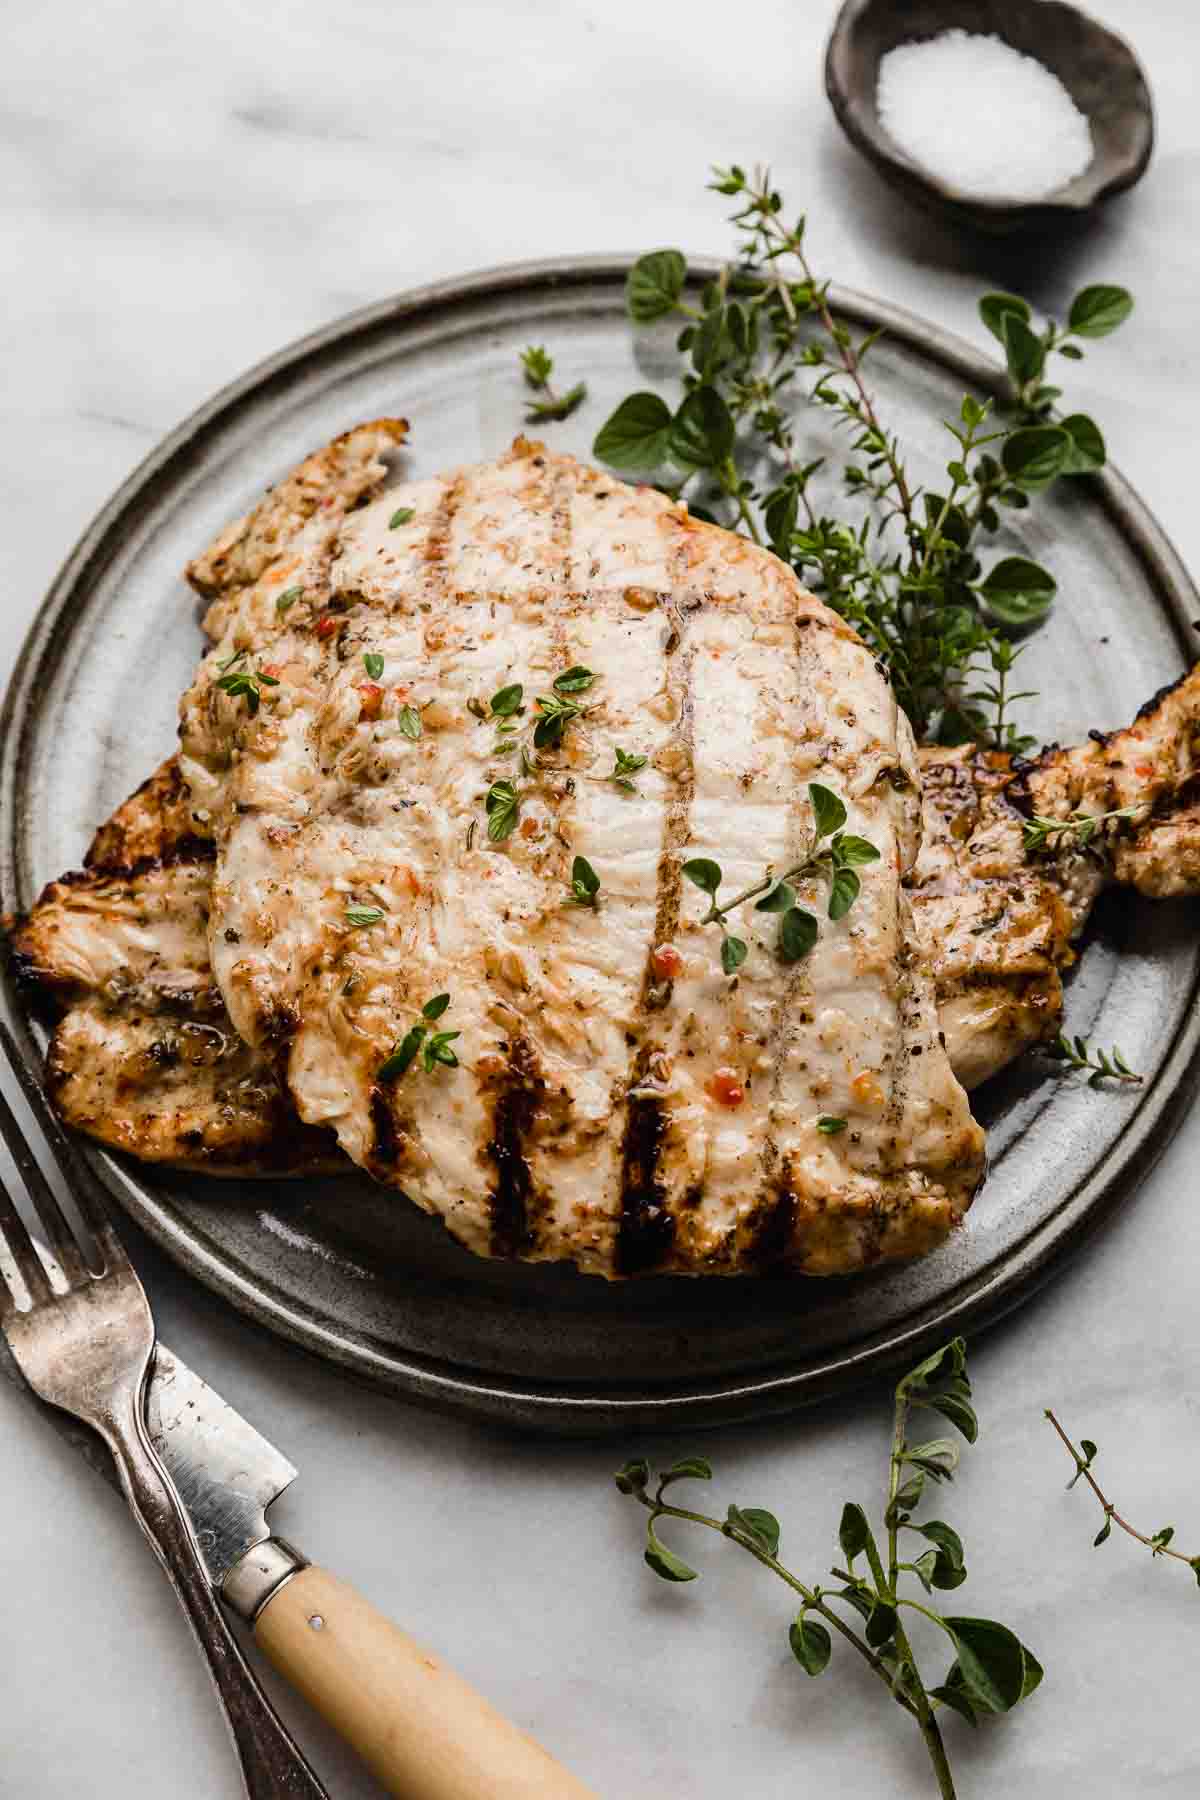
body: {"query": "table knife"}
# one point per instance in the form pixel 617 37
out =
pixel 424 1733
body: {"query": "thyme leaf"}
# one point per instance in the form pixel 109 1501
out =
pixel 625 766
pixel 433 1047
pixel 359 916
pixel 585 883
pixel 502 807
pixel 241 683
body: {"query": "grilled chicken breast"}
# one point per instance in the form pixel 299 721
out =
pixel 618 1100
pixel 999 927
pixel 144 1058
pixel 1000 924
pixel 589 1116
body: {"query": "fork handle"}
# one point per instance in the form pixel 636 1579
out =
pixel 273 1765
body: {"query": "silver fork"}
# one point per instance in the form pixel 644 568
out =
pixel 89 1351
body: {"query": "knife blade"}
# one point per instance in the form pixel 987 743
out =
pixel 421 1730
pixel 226 1472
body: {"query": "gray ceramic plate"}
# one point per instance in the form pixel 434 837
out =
pixel 355 1274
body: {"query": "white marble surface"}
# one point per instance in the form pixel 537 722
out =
pixel 183 190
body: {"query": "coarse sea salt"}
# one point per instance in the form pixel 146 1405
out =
pixel 982 117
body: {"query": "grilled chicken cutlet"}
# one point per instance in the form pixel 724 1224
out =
pixel 395 821
pixel 999 923
pixel 590 1116
pixel 144 1057
pixel 999 927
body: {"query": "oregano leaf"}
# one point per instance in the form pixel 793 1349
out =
pixel 811 1644
pixel 797 934
pixel 956 1698
pixel 636 436
pixel 853 1532
pixel 829 810
pixel 994 309
pixel 1097 310
pixel 1024 350
pixel 759 1524
pixel 733 954
pixel 690 1468
pixel 632 1476
pixel 881 1625
pixel 702 430
pixel 664 1562
pixel 843 892
pixel 703 873
pixel 654 284
pixel 991 1659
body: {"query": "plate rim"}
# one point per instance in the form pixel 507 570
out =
pixel 579 1409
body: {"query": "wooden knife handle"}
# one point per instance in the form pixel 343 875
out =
pixel 422 1731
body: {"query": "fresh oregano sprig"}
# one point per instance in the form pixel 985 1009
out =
pixel 1158 1542
pixel 432 1046
pixel 538 366
pixel 991 1670
pixel 1095 311
pixel 902 564
pixel 833 852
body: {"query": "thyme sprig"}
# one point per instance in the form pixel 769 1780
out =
pixel 237 681
pixel 902 565
pixel 1158 1543
pixel 838 858
pixel 538 366
pixel 1106 1065
pixel 991 1672
pixel 625 766
pixel 1040 833
pixel 555 711
pixel 432 1046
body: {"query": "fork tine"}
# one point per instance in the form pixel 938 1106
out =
pixel 20 1246
pixel 79 1179
pixel 62 1242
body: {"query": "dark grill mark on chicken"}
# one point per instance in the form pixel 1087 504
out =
pixel 516 1104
